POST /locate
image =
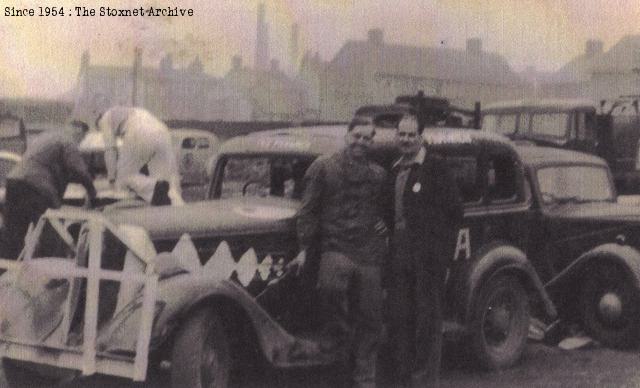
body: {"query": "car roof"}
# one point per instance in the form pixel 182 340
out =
pixel 320 140
pixel 193 132
pixel 551 104
pixel 374 110
pixel 536 156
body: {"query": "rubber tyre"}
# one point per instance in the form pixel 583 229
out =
pixel 201 356
pixel 500 347
pixel 622 333
pixel 21 374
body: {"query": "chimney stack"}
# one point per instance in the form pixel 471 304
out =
pixel 293 48
pixel 85 60
pixel 593 48
pixel 376 36
pixel 262 40
pixel 236 62
pixel 474 46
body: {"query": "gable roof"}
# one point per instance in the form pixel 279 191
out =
pixel 428 62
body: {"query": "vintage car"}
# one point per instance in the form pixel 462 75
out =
pixel 610 130
pixel 541 233
pixel 254 194
pixel 7 161
pixel 13 134
pixel 193 148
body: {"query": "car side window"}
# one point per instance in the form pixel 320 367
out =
pixel 550 124
pixel 502 182
pixel 466 172
pixel 524 122
pixel 203 143
pixel 188 143
pixel 263 176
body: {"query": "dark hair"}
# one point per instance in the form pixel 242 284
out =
pixel 358 122
pixel 416 117
pixel 80 124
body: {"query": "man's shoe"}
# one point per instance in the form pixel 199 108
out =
pixel 161 194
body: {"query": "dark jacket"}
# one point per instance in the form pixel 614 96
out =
pixel 432 209
pixel 341 206
pixel 50 163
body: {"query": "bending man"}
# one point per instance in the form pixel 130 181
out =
pixel 145 142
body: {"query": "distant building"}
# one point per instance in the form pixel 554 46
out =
pixel 170 93
pixel 597 74
pixel 272 95
pixel 373 71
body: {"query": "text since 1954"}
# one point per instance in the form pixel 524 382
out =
pixel 101 11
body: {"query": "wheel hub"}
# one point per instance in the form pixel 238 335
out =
pixel 500 318
pixel 610 307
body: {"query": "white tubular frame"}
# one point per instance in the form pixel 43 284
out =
pixel 86 358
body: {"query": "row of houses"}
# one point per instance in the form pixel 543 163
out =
pixel 362 72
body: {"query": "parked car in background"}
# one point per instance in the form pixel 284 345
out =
pixel 610 130
pixel 13 135
pixel 193 149
pixel 7 161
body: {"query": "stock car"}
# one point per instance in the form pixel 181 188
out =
pixel 542 235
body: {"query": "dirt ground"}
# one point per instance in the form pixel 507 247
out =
pixel 541 366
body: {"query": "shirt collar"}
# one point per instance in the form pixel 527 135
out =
pixel 418 159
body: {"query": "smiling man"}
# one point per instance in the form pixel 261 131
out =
pixel 342 212
pixel 425 215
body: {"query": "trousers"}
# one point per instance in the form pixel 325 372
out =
pixel 24 204
pixel 142 146
pixel 351 300
pixel 416 317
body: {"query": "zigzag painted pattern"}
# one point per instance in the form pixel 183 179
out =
pixel 222 265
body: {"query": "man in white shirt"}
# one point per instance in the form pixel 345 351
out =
pixel 145 142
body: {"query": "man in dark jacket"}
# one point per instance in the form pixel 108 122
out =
pixel 40 179
pixel 342 212
pixel 425 213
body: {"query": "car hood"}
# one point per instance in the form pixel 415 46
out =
pixel 223 217
pixel 598 211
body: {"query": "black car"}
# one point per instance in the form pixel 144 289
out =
pixel 542 235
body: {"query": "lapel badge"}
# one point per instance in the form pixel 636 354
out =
pixel 417 187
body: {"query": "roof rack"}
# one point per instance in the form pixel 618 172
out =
pixel 431 111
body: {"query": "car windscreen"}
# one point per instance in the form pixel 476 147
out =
pixel 552 125
pixel 262 176
pixel 503 124
pixel 574 184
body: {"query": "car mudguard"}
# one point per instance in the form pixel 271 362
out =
pixel 497 259
pixel 182 295
pixel 624 255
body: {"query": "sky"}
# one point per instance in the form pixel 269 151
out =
pixel 40 55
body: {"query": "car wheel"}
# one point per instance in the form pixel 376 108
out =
pixel 609 303
pixel 500 323
pixel 22 374
pixel 201 355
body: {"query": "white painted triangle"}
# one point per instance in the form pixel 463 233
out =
pixel 221 264
pixel 264 268
pixel 186 253
pixel 247 267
